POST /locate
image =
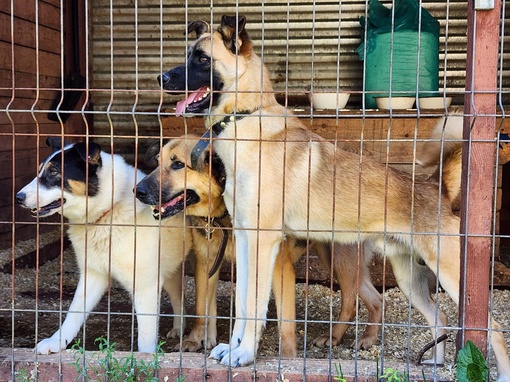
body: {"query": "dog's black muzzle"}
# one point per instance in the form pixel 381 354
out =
pixel 191 78
pixel 164 80
pixel 175 79
pixel 172 80
pixel 147 191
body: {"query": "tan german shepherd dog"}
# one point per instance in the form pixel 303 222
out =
pixel 282 180
pixel 198 192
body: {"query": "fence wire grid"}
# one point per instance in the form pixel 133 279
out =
pixel 112 231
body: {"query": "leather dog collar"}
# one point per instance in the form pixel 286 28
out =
pixel 213 221
pixel 100 217
pixel 212 133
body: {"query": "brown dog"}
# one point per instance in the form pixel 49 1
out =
pixel 445 146
pixel 201 188
pixel 282 180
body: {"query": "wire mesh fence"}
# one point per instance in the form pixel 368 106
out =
pixel 349 191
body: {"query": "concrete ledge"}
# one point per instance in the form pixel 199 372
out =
pixel 196 367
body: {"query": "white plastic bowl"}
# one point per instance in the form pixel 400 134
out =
pixel 329 100
pixel 434 102
pixel 395 103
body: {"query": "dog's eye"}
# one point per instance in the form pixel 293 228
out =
pixel 177 165
pixel 203 59
pixel 53 171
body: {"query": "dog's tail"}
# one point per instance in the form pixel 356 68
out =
pixel 445 147
pixel 451 176
pixel 446 136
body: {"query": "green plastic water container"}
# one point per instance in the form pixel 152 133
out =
pixel 396 55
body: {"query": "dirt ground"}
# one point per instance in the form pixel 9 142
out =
pixel 32 299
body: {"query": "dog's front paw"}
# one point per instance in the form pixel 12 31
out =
pixel 219 351
pixel 324 341
pixel 211 342
pixel 50 345
pixel 193 344
pixel 189 345
pixel 174 333
pixel 195 340
pixel 365 342
pixel 238 357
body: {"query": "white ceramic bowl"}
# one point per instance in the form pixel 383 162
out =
pixel 395 103
pixel 434 102
pixel 329 100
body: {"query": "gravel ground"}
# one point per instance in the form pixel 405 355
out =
pixel 315 305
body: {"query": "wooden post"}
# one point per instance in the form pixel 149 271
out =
pixel 479 159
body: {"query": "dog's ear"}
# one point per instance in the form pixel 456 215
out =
pixel 56 143
pixel 199 27
pixel 217 168
pixel 93 155
pixel 234 35
pixel 151 156
pixel 233 23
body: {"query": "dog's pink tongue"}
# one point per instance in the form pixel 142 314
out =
pixel 174 201
pixel 192 97
pixel 181 105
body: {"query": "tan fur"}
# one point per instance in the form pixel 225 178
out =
pixel 450 174
pixel 301 185
pixel 211 207
pixel 445 146
pixel 77 187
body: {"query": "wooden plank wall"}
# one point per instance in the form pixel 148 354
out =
pixel 30 80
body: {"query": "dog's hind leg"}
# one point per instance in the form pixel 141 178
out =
pixel 349 273
pixel 88 293
pixel 501 352
pixel 449 277
pixel 284 288
pixel 173 286
pixel 262 250
pixel 415 285
pixel 372 299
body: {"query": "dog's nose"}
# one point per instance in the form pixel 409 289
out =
pixel 20 197
pixel 140 192
pixel 163 79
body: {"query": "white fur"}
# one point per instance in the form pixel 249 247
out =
pixel 126 243
pixel 446 136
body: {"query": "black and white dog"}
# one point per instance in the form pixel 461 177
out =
pixel 112 234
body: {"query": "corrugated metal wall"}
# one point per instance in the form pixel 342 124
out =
pixel 132 41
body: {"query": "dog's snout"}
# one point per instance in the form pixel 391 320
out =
pixel 147 191
pixel 140 191
pixel 21 197
pixel 163 79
